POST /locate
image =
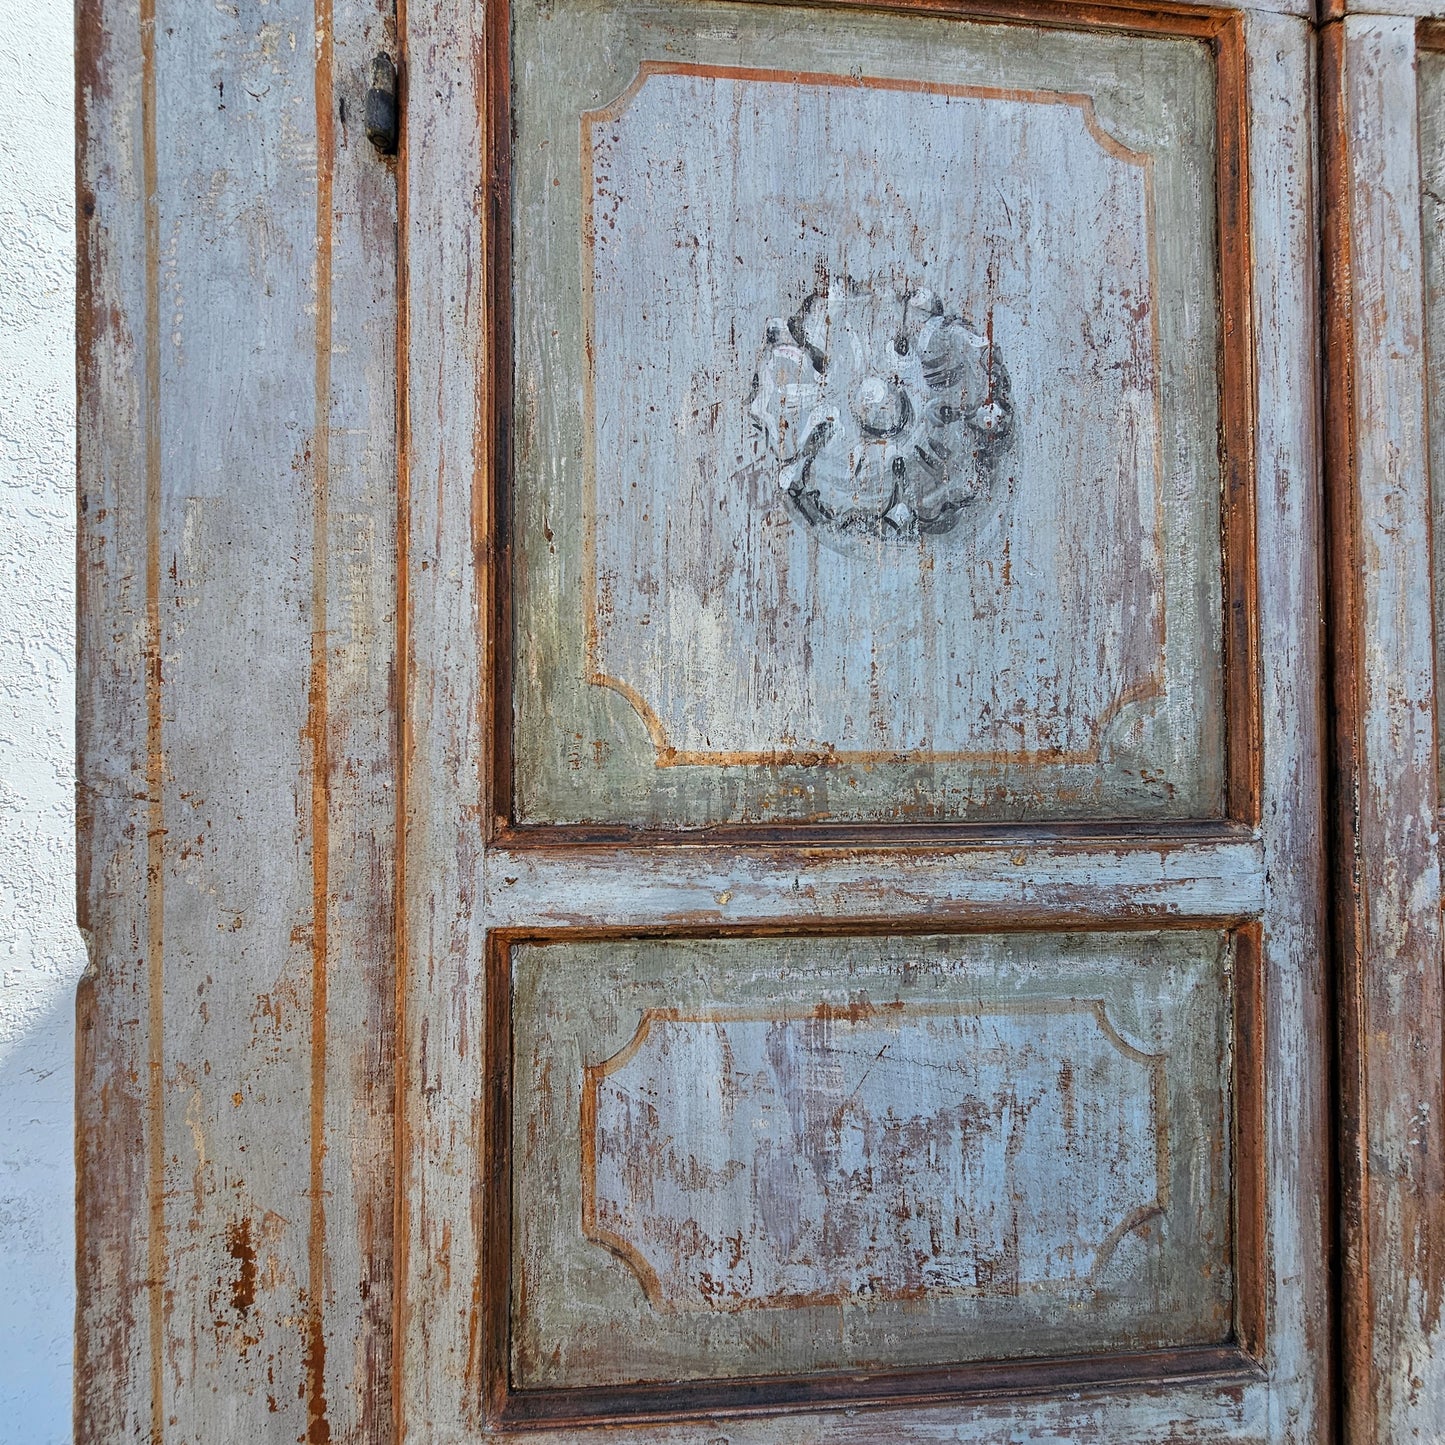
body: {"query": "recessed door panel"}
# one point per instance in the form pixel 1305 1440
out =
pixel 751 1157
pixel 867 400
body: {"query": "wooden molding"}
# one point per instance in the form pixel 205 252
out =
pixel 1228 1365
pixel 1224 30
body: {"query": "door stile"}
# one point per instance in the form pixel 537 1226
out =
pixel 1289 529
pixel 444 354
pixel 235 475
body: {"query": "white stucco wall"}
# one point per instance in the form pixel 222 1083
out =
pixel 40 951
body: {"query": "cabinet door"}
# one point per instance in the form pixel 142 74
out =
pixel 1384 140
pixel 862 964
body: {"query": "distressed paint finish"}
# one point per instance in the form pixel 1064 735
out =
pixel 1384 137
pixel 760 1156
pixel 454 1177
pixel 237 758
pixel 239 783
pixel 1061 882
pixel 795 1217
pixel 1330 10
pixel 851 648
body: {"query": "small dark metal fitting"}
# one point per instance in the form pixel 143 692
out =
pixel 383 123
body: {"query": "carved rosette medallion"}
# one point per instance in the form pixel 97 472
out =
pixel 884 413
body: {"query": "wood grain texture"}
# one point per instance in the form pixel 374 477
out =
pixel 444 372
pixel 1383 139
pixel 1296 1105
pixel 113 1396
pixel 1419 9
pixel 987 885
pixel 238 510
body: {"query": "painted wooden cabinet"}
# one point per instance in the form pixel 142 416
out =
pixel 706 723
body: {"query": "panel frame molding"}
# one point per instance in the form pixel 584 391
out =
pixel 1223 29
pixel 1235 1362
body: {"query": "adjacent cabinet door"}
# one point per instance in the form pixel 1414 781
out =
pixel 1383 137
pixel 864 965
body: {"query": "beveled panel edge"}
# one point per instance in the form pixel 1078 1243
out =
pixel 1140 16
pixel 657 1404
pixel 1223 27
pixel 1332 10
pixel 1234 1364
pixel 1250 1184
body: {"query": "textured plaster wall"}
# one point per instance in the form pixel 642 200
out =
pixel 41 954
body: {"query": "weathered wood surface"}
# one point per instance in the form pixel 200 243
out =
pixel 1385 140
pixel 237 751
pixel 744 590
pixel 840 1152
pixel 454 1179
pixel 1283 201
pixel 1019 879
pixel 1330 10
pixel 443 367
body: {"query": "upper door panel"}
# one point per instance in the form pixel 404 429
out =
pixel 870 371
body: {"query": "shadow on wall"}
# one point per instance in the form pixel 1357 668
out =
pixel 41 954
pixel 37 1228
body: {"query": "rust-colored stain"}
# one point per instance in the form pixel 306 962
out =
pixel 241 1249
pixel 856 1010
pixel 313 1387
pixel 318 1426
